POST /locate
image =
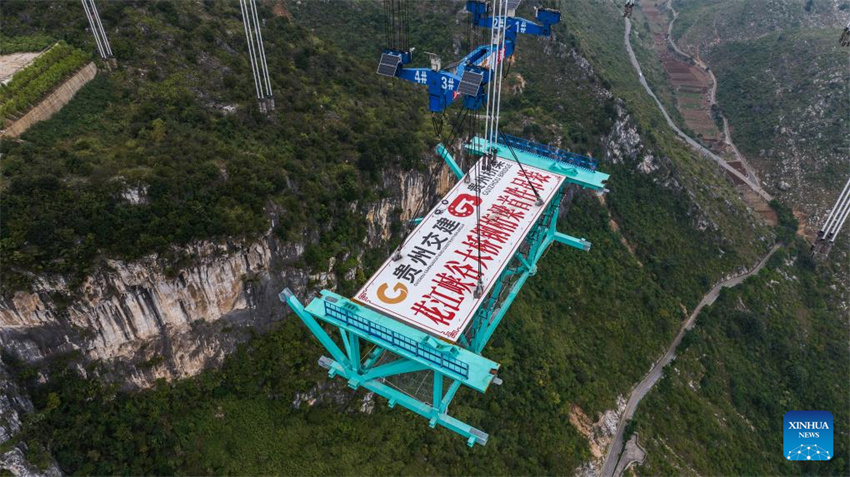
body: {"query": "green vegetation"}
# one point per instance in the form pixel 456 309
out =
pixel 159 125
pixel 29 43
pixel 39 78
pixel 774 344
pixel 782 83
pixel 752 104
pixel 704 20
pixel 786 228
pixel 240 419
pixel 583 331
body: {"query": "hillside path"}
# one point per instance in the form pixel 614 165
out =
pixel 691 142
pixel 643 387
pixel 727 135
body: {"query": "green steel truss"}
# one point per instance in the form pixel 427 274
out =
pixel 398 350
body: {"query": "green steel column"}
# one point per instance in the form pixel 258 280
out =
pixel 437 398
pixel 578 243
pixel 444 153
pixel 287 297
pixel 450 394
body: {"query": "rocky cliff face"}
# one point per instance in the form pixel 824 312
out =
pixel 13 404
pixel 129 304
pixel 151 324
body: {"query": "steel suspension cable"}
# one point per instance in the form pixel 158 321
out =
pixel 261 59
pixel 836 207
pixel 525 174
pixel 94 29
pixel 497 37
pixel 102 30
pixel 246 21
pixel 490 85
pixel 387 23
pixel 406 24
pixel 503 22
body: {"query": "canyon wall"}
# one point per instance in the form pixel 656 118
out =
pixel 153 324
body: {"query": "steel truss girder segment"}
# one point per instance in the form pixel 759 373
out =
pixel 586 178
pixel 415 350
pixel 435 413
pixel 418 351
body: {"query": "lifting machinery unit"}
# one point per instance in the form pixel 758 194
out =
pixel 415 333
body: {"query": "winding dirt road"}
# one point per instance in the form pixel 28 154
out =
pixel 727 135
pixel 643 387
pixel 690 141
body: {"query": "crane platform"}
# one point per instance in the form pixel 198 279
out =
pixel 428 312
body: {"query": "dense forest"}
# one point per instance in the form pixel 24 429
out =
pixel 161 125
pixel 584 329
pixel 775 344
pixel 177 120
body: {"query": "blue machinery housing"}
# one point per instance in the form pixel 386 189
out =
pixel 398 349
pixel 398 353
pixel 473 70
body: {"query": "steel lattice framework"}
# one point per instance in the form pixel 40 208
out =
pixel 399 351
pixel 423 370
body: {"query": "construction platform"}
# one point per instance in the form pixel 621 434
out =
pixel 430 309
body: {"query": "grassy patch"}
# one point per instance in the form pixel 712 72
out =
pixel 38 78
pixel 28 43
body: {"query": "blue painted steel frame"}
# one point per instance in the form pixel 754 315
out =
pixel 415 350
pixel 443 84
pixel 547 17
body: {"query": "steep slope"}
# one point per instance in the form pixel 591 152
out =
pixel 99 185
pixel 776 343
pixel 583 331
pixel 159 199
pixel 782 83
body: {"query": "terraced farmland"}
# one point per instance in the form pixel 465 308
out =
pixel 691 82
pixel 39 78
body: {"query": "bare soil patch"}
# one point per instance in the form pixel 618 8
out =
pixel 690 83
pixel 12 63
